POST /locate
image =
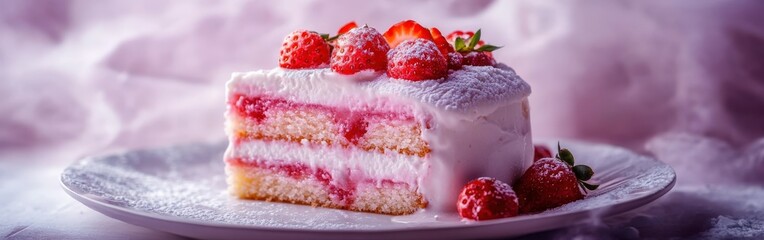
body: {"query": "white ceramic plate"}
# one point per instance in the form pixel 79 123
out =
pixel 181 190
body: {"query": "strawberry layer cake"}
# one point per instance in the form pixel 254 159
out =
pixel 385 123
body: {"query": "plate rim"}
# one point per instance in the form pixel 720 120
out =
pixel 616 207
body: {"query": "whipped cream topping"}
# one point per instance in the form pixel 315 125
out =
pixel 464 90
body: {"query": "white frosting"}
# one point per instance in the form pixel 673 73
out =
pixel 478 121
pixel 463 90
pixel 469 89
pixel 495 144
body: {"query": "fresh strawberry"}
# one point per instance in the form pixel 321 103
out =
pixel 552 182
pixel 474 50
pixel 332 40
pixel 347 27
pixel 487 198
pixel 541 151
pixel 441 42
pixel 451 37
pixel 458 33
pixel 455 60
pixel 547 184
pixel 478 59
pixel 416 59
pixel 304 49
pixel 361 48
pixel 406 30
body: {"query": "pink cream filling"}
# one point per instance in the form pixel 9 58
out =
pixel 352 121
pixel 343 194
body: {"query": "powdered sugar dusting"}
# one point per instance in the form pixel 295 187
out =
pixel 416 60
pixel 552 168
pixel 360 49
pixel 466 90
pixel 187 183
pixel 363 38
pixel 414 49
pixel 730 228
pixel 463 90
pixel 504 189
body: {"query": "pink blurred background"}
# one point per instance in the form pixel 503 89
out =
pixel 679 80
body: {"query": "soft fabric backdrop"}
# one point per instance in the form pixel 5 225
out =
pixel 681 80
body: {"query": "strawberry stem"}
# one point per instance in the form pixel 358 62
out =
pixel 580 183
pixel 565 155
pixel 474 40
pixel 459 44
pixel 583 173
pixel 487 48
pixel 591 187
pixel 468 45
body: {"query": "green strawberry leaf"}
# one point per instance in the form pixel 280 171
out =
pixel 591 187
pixel 474 40
pixel 583 172
pixel 459 44
pixel 580 183
pixel 487 48
pixel 567 156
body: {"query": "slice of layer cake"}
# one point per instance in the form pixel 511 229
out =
pixel 370 141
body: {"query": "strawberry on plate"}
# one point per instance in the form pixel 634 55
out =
pixel 487 198
pixel 415 60
pixel 361 48
pixel 304 49
pixel 553 182
pixel 406 30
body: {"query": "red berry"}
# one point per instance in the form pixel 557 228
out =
pixel 406 30
pixel 487 198
pixel 347 27
pixel 360 49
pixel 355 129
pixel 474 55
pixel 304 49
pixel 451 37
pixel 441 42
pixel 455 60
pixel 547 184
pixel 478 59
pixel 541 151
pixel 417 59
